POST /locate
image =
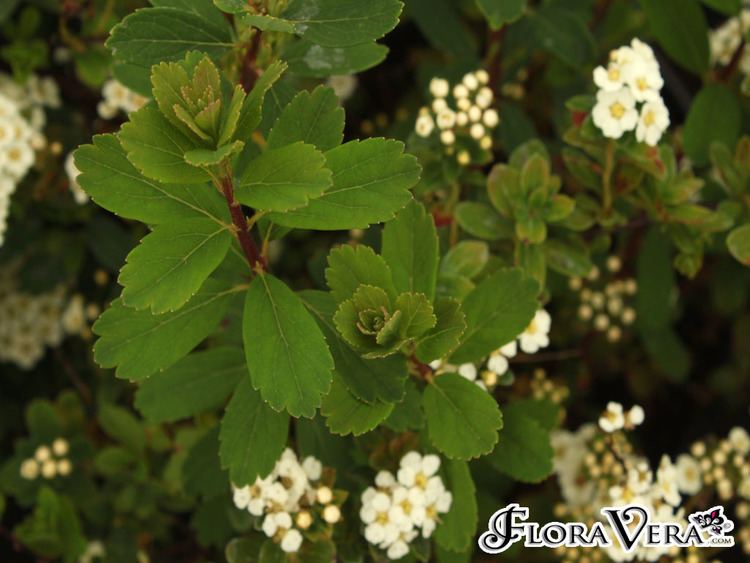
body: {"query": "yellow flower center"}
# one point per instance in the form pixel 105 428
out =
pixel 649 118
pixel 642 84
pixel 532 328
pixel 613 74
pixel 420 480
pixel 382 518
pixel 406 506
pixel 617 110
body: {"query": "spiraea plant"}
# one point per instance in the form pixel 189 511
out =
pixel 230 154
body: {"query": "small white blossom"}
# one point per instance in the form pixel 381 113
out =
pixel 688 475
pixel 652 122
pixel 612 419
pixel 614 112
pixel 536 335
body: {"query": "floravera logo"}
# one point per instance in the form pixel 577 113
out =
pixel 628 526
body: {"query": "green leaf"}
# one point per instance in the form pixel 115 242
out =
pixel 157 148
pixel 368 323
pixel 407 414
pixel 480 220
pixel 345 414
pixel 458 526
pixel 738 243
pixel 564 34
pixel 287 355
pixel 714 116
pixel 371 181
pixel 308 59
pixel 544 411
pixel 343 23
pixel 410 247
pixel 252 436
pixel 205 158
pixel 567 259
pixel 501 12
pixel 117 186
pixel 284 178
pixel 656 282
pixel 441 22
pixel 198 382
pixel 497 311
pixel 417 316
pixel 667 351
pixel 728 7
pixel 138 343
pixel 268 23
pixel 369 380
pixel 468 258
pixel 204 9
pixel 120 425
pixel 202 474
pixel 351 266
pixel 445 336
pixel 171 264
pixel 314 118
pixel 152 35
pixel 680 28
pixel 231 6
pixel 462 419
pixel 524 451
pixel 252 108
pixel 53 530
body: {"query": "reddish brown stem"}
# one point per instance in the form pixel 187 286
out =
pixel 240 224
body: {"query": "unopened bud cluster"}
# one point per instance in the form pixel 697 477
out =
pixel 606 302
pixel 49 462
pixel 461 117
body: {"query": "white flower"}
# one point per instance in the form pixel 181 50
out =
pixel 477 131
pixel 64 467
pixel 439 87
pixel 689 477
pixel 331 514
pixel 398 549
pixel 291 541
pixel 19 157
pixel 29 469
pixel 652 123
pixel 313 468
pixel 645 81
pixel 609 79
pixel 446 119
pixel 635 416
pixel 614 112
pixel 241 497
pixel 460 91
pixel 612 419
pixel 275 522
pixel 470 81
pixel 740 440
pixel 415 470
pixel 424 125
pixel 666 482
pixel 498 361
pixel 468 371
pixel 536 335
pixel 75 188
pixel 60 446
pixel 490 118
pixel 343 85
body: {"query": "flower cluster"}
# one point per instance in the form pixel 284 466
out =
pixel 21 121
pixel 531 340
pixel 461 117
pixel 293 498
pixel 118 97
pixel 727 38
pixel 632 77
pixel 401 507
pixel 544 388
pixel 32 322
pixel 606 303
pixel 495 371
pixel 49 461
pixel 600 468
